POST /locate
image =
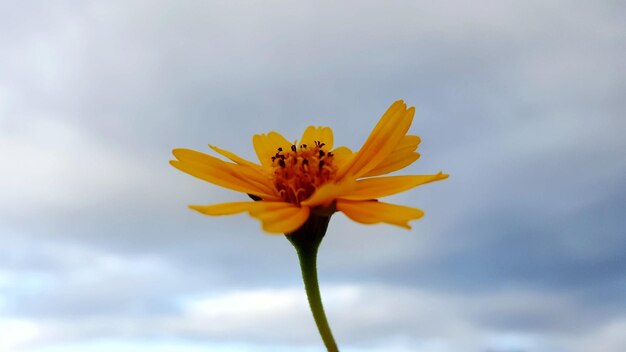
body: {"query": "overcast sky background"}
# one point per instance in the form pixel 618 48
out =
pixel 522 103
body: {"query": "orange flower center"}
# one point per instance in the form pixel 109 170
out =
pixel 300 171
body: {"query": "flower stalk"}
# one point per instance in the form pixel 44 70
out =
pixel 306 241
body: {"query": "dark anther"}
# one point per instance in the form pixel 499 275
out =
pixel 282 157
pixel 322 144
pixel 293 148
pixel 303 146
pixel 305 162
pixel 321 164
pixel 280 149
pixel 281 162
pixel 273 158
pixel 321 153
pixel 330 154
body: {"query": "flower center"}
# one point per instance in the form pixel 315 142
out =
pixel 300 171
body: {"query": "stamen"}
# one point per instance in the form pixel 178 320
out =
pixel 294 179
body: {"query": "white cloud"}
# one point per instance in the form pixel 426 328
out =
pixel 54 164
pixel 16 332
pixel 607 337
pixel 522 98
pixel 364 318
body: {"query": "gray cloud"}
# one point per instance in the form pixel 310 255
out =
pixel 520 103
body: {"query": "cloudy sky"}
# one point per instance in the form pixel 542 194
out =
pixel 521 250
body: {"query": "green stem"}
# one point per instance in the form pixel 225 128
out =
pixel 306 240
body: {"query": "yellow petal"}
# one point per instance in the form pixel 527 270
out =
pixel 236 177
pixel 342 156
pixel 407 143
pixel 373 188
pixel 285 219
pixel 320 133
pixel 393 163
pixel 234 157
pixel 223 208
pixel 209 163
pixel 266 146
pixel 328 192
pixel 275 217
pixel 389 131
pixel 373 212
pixel 402 156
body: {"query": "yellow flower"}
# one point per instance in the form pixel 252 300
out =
pixel 295 180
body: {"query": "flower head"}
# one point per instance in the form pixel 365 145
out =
pixel 294 180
